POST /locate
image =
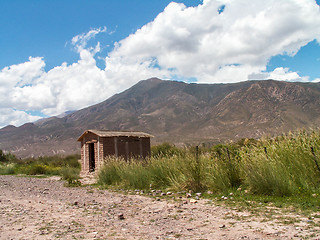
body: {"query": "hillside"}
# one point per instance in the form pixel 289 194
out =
pixel 177 112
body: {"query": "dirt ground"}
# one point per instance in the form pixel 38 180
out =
pixel 33 208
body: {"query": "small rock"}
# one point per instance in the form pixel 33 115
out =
pixel 188 195
pixel 169 193
pixel 121 217
pixel 210 192
pixel 222 226
pixel 193 200
pixel 197 197
pixel 231 194
pixel 163 194
pixel 239 189
pixel 199 194
pixel 225 198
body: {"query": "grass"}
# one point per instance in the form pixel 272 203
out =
pixel 277 170
pixel 273 170
pixel 68 167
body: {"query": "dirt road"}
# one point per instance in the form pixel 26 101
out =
pixel 32 208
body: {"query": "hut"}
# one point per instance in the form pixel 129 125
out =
pixel 97 144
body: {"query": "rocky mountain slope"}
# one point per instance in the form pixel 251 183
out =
pixel 177 112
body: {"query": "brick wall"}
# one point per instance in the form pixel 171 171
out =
pixel 85 151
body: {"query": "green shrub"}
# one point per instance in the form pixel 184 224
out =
pixel 71 175
pixel 166 150
pixel 164 171
pixel 35 169
pixel 111 170
pixel 7 157
pixel 7 169
pixel 136 176
pixel 284 166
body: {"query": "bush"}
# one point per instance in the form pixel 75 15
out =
pixel 7 169
pixel 7 157
pixel 110 173
pixel 284 166
pixel 71 175
pixel 165 171
pixel 166 150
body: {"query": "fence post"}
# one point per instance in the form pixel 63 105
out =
pixel 315 159
pixel 197 171
pixel 266 152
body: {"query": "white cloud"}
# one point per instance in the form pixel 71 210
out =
pixel 195 42
pixel 280 74
pixel 80 41
pixel 9 116
pixel 199 42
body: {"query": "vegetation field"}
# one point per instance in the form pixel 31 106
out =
pixel 284 170
pixel 68 167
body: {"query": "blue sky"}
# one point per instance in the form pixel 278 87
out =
pixel 63 55
pixel 44 28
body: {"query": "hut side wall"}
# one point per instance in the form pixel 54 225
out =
pixel 133 147
pixel 108 146
pixel 146 148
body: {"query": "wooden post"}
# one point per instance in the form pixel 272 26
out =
pixel 116 146
pixel 265 151
pixel 315 159
pixel 140 148
pixel 127 151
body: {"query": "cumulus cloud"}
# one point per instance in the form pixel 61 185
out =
pixel 211 45
pixel 9 116
pixel 280 74
pixel 217 41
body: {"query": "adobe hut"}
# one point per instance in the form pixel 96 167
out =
pixel 97 144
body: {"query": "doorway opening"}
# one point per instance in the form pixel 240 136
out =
pixel 92 162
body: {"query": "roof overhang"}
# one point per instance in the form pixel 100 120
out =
pixel 104 133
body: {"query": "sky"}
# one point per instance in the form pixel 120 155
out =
pixel 63 55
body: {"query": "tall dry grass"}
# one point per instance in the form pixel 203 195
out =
pixel 282 166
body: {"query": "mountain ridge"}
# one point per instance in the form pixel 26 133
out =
pixel 178 112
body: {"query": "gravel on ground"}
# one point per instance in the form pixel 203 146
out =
pixel 42 208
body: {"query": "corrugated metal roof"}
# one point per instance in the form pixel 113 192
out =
pixel 105 133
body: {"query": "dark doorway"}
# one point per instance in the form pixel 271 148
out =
pixel 92 162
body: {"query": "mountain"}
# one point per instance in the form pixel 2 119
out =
pixel 179 113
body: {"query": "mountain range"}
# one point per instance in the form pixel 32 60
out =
pixel 179 113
